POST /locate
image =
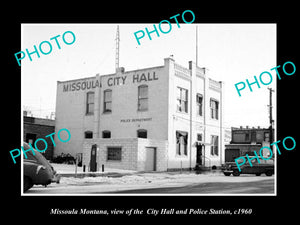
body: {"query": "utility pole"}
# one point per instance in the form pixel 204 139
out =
pixel 270 116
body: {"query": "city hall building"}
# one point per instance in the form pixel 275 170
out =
pixel 152 119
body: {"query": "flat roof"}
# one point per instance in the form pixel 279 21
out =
pixel 112 74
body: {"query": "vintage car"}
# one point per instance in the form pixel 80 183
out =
pixel 37 170
pixel 265 166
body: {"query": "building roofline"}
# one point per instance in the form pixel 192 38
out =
pixel 112 74
pixel 136 70
pixel 77 79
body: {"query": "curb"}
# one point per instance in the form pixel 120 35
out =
pixel 82 175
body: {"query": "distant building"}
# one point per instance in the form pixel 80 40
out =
pixel 35 128
pixel 246 141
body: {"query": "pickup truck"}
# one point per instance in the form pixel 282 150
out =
pixel 265 166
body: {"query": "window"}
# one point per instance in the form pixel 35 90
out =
pixel 199 99
pixel 247 137
pixel 142 133
pixel 253 137
pixel 106 134
pixel 114 153
pixel 143 98
pixel 30 138
pixel 267 136
pixel 181 142
pixel 214 150
pixel 182 100
pixel 199 137
pixel 214 109
pixel 90 103
pixel 88 134
pixel 107 100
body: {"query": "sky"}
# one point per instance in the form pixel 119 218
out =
pixel 232 53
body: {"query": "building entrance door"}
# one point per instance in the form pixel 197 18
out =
pixel 150 159
pixel 93 160
pixel 199 155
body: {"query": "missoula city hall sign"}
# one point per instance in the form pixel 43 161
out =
pixel 111 81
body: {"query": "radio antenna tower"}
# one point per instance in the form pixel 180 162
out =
pixel 117 48
pixel 196 45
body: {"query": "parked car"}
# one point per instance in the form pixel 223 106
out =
pixel 37 170
pixel 265 166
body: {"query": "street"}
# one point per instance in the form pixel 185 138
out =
pixel 256 187
pixel 160 183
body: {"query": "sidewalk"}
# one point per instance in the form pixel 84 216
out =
pixel 67 170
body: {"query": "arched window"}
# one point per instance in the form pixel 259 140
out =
pixel 106 134
pixel 141 133
pixel 88 134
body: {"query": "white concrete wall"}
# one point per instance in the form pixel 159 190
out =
pixel 125 105
pixel 71 114
pixel 133 153
pixel 195 82
pixel 161 158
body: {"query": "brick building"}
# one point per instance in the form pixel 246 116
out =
pixel 35 128
pixel 152 119
pixel 246 140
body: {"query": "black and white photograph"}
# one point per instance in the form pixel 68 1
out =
pixel 194 115
pixel 163 116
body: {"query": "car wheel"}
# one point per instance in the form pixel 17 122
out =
pixel 257 174
pixel 27 184
pixel 227 173
pixel 269 173
pixel 235 173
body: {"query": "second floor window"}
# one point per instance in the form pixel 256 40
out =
pixel 90 103
pixel 199 100
pixel 143 98
pixel 107 101
pixel 214 109
pixel 182 100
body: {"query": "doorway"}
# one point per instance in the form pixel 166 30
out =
pixel 199 155
pixel 93 159
pixel 150 159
